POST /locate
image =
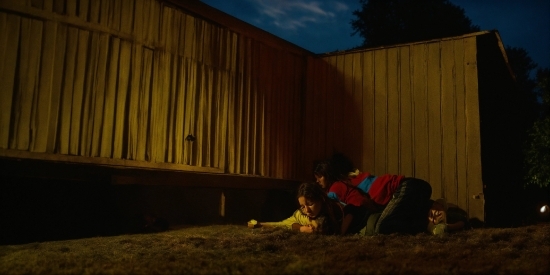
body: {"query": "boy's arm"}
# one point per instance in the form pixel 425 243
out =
pixel 297 222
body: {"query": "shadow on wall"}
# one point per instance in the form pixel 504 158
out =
pixel 505 116
pixel 37 209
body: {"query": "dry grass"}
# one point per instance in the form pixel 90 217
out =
pixel 231 249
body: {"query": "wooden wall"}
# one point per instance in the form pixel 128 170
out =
pixel 126 81
pixel 410 109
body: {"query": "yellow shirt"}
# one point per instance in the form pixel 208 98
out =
pixel 298 217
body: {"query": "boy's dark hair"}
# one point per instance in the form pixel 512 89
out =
pixel 336 168
pixel 312 191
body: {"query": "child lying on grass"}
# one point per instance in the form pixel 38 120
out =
pixel 317 213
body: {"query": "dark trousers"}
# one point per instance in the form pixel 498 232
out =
pixel 407 211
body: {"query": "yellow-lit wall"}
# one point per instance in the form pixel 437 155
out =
pixel 125 82
pixel 410 109
pixel 131 79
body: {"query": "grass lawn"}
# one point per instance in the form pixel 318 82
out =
pixel 236 249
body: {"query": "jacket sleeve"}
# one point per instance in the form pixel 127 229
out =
pixel 297 217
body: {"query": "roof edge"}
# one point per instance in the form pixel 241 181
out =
pixel 411 43
pixel 211 14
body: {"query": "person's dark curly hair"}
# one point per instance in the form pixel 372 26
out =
pixel 336 168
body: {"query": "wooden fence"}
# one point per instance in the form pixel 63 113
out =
pixel 409 109
pixel 145 83
pixel 179 85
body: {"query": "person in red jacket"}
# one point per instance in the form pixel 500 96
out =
pixel 403 201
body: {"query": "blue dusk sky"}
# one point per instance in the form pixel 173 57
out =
pixel 322 26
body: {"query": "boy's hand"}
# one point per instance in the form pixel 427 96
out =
pixel 307 229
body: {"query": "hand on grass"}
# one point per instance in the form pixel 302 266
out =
pixel 307 229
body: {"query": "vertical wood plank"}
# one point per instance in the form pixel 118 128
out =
pixel 31 34
pixel 217 120
pixel 298 100
pixel 210 117
pixel 152 27
pixel 134 101
pixel 110 106
pixel 121 120
pixel 90 96
pixel 105 12
pixel 263 90
pixel 339 95
pixel 318 98
pixel 139 20
pixel 155 123
pixel 127 15
pixel 144 114
pixel 176 32
pixel 419 79
pixel 179 134
pixel 181 41
pixel 189 41
pixel 165 28
pixel 39 4
pixel 434 119
pixel 71 8
pixel 368 112
pixel 473 144
pixel 9 43
pixel 59 6
pixel 274 121
pixel 171 138
pixel 98 95
pixel 199 39
pixel 84 9
pixel 168 35
pixel 57 88
pixel 267 132
pixel 68 93
pixel 159 102
pixel 47 5
pixel 406 114
pixel 231 116
pixel 448 122
pixel 165 90
pixel 254 110
pixel 348 106
pixel 225 88
pixel 357 136
pixel 393 111
pixel 380 111
pixel 191 78
pixel 42 115
pixel 94 10
pixel 115 13
pixel 328 103
pixel 245 120
pixel 461 177
pixel 77 108
pixel 239 96
pixel 287 108
pixel 206 44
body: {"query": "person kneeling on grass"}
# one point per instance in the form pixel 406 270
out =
pixel 384 204
pixel 317 213
pixel 403 202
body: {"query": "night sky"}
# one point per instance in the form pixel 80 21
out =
pixel 324 26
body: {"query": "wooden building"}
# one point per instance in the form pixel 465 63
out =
pixel 176 93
